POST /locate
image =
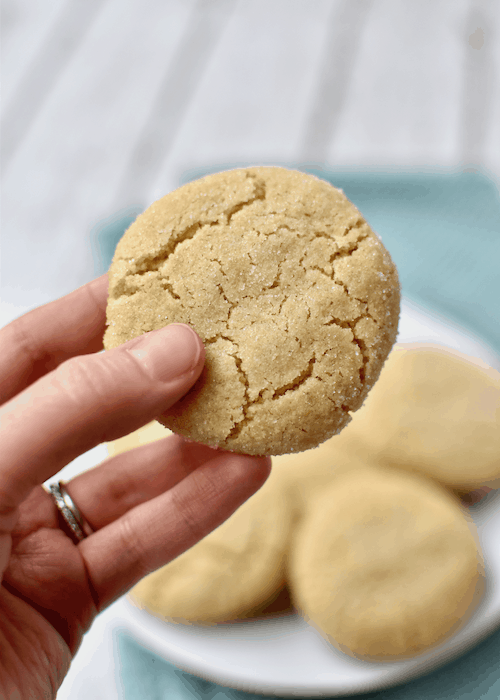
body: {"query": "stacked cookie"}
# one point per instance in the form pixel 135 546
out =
pixel 385 560
pixel 378 552
pixel 385 564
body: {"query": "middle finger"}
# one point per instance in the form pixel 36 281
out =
pixel 105 493
pixel 153 533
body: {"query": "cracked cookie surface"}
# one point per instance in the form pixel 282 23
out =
pixel 294 296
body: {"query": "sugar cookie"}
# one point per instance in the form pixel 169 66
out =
pixel 434 411
pixel 385 566
pixel 305 475
pixel 294 296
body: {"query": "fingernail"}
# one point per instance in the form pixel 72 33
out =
pixel 168 353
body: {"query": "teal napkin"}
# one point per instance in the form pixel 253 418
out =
pixel 443 232
pixel 144 676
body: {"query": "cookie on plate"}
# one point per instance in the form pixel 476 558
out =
pixel 294 296
pixel 305 475
pixel 434 411
pixel 230 574
pixel 385 566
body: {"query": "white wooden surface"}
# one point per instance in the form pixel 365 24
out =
pixel 107 103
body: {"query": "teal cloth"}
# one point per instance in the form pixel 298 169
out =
pixel 144 676
pixel 443 231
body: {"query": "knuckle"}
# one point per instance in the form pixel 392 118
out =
pixel 96 378
pixel 132 547
pixel 19 335
pixel 192 505
pixel 82 379
pixel 21 338
pixel 123 494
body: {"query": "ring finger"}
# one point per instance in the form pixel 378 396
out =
pixel 150 504
pixel 108 491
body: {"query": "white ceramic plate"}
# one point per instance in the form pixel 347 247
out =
pixel 284 656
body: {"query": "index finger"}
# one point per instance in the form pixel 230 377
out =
pixel 42 339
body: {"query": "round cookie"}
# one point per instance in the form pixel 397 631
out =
pixel 231 573
pixel 305 475
pixel 385 566
pixel 434 411
pixel 294 296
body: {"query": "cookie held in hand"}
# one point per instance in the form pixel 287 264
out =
pixel 294 296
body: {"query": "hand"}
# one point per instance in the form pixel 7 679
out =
pixel 60 398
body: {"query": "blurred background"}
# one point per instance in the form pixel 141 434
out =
pixel 109 104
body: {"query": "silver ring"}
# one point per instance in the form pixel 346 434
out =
pixel 79 528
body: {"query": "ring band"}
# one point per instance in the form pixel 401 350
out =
pixel 78 527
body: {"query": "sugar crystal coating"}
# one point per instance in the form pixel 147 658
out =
pixel 294 296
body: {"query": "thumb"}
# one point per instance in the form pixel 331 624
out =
pixel 92 399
